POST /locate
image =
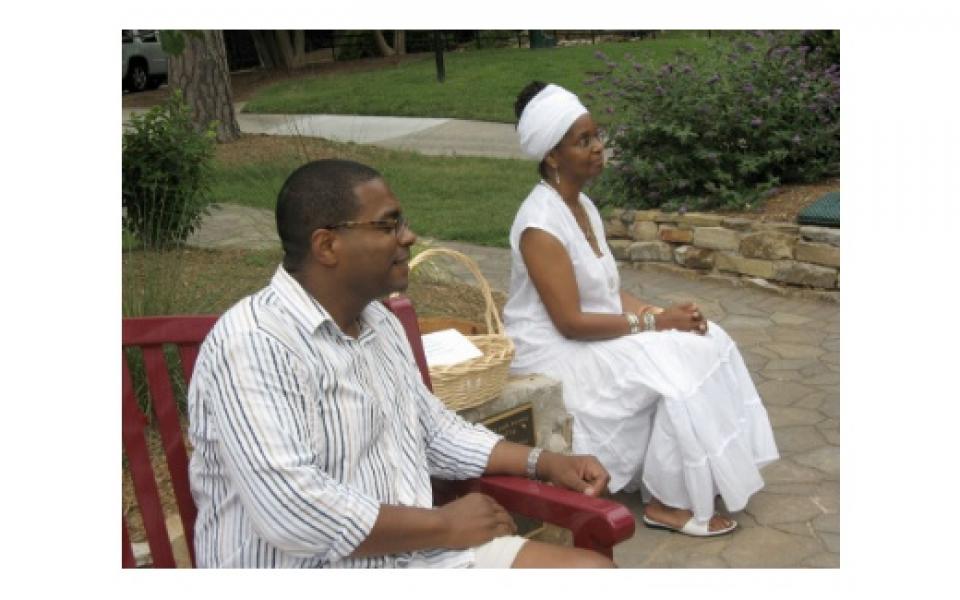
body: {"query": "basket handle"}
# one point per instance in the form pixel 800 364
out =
pixel 491 316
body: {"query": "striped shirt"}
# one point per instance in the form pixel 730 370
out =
pixel 301 432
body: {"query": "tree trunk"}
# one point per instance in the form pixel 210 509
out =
pixel 201 72
pixel 267 49
pixel 291 45
pixel 400 42
pixel 382 44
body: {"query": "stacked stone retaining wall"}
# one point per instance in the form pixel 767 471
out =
pixel 783 255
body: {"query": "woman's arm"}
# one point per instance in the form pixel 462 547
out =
pixel 636 305
pixel 552 274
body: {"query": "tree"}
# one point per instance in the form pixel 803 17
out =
pixel 280 48
pixel 198 67
pixel 399 43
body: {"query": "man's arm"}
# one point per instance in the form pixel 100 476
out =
pixel 466 522
pixel 579 473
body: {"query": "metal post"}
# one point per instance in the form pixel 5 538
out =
pixel 438 52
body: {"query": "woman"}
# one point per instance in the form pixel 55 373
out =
pixel 660 395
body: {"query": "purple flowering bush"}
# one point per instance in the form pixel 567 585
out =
pixel 718 129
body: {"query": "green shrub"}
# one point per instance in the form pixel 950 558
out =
pixel 717 129
pixel 823 47
pixel 167 165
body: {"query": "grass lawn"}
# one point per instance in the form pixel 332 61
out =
pixel 480 84
pixel 452 198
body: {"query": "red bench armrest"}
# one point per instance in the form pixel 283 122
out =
pixel 596 523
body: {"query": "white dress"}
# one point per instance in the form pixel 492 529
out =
pixel 675 410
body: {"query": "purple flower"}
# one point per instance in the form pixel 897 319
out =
pixel 637 67
pixel 715 78
pixel 600 55
pixel 756 121
pixel 609 110
pixel 666 69
pixel 687 69
pixel 748 89
pixel 660 91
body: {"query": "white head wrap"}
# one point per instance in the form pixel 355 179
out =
pixel 546 119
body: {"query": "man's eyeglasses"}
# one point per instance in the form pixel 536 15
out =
pixel 396 225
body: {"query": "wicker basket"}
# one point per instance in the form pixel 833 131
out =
pixel 478 380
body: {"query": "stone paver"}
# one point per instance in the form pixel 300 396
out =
pixel 791 347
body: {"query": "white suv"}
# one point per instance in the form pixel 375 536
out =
pixel 144 62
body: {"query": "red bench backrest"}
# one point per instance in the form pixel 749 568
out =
pixel 150 335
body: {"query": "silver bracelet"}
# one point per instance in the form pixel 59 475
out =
pixel 532 459
pixel 649 321
pixel 634 321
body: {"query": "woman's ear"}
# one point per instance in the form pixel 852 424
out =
pixel 551 159
pixel 324 247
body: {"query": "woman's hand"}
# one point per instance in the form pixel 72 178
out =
pixel 682 317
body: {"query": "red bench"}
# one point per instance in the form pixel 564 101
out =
pixel 596 523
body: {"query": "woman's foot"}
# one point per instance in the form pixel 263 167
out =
pixel 676 518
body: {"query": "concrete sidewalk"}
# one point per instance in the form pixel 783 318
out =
pixel 436 137
pixel 791 347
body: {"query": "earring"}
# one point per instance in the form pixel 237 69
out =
pixel 558 177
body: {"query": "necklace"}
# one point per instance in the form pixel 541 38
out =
pixel 581 218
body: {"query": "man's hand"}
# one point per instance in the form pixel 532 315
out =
pixel 474 519
pixel 580 473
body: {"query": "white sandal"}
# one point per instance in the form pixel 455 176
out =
pixel 691 527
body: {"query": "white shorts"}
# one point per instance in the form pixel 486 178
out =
pixel 498 553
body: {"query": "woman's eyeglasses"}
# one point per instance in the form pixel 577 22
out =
pixel 395 225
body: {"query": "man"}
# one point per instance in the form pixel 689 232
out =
pixel 314 437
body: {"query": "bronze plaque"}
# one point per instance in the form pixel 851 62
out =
pixel 515 424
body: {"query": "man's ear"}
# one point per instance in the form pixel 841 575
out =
pixel 324 247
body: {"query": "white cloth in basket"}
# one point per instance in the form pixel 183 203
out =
pixel 675 410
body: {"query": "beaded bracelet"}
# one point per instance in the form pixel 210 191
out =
pixel 634 322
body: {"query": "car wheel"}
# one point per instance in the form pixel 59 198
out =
pixel 137 77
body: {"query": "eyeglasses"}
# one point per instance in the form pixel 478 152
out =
pixel 396 225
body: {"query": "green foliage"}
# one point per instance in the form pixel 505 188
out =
pixel 718 128
pixel 823 47
pixel 174 41
pixel 166 174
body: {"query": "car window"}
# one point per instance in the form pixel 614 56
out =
pixel 148 36
pixel 127 36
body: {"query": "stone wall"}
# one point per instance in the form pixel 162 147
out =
pixel 784 254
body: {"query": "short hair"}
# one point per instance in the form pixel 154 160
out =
pixel 523 98
pixel 318 194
